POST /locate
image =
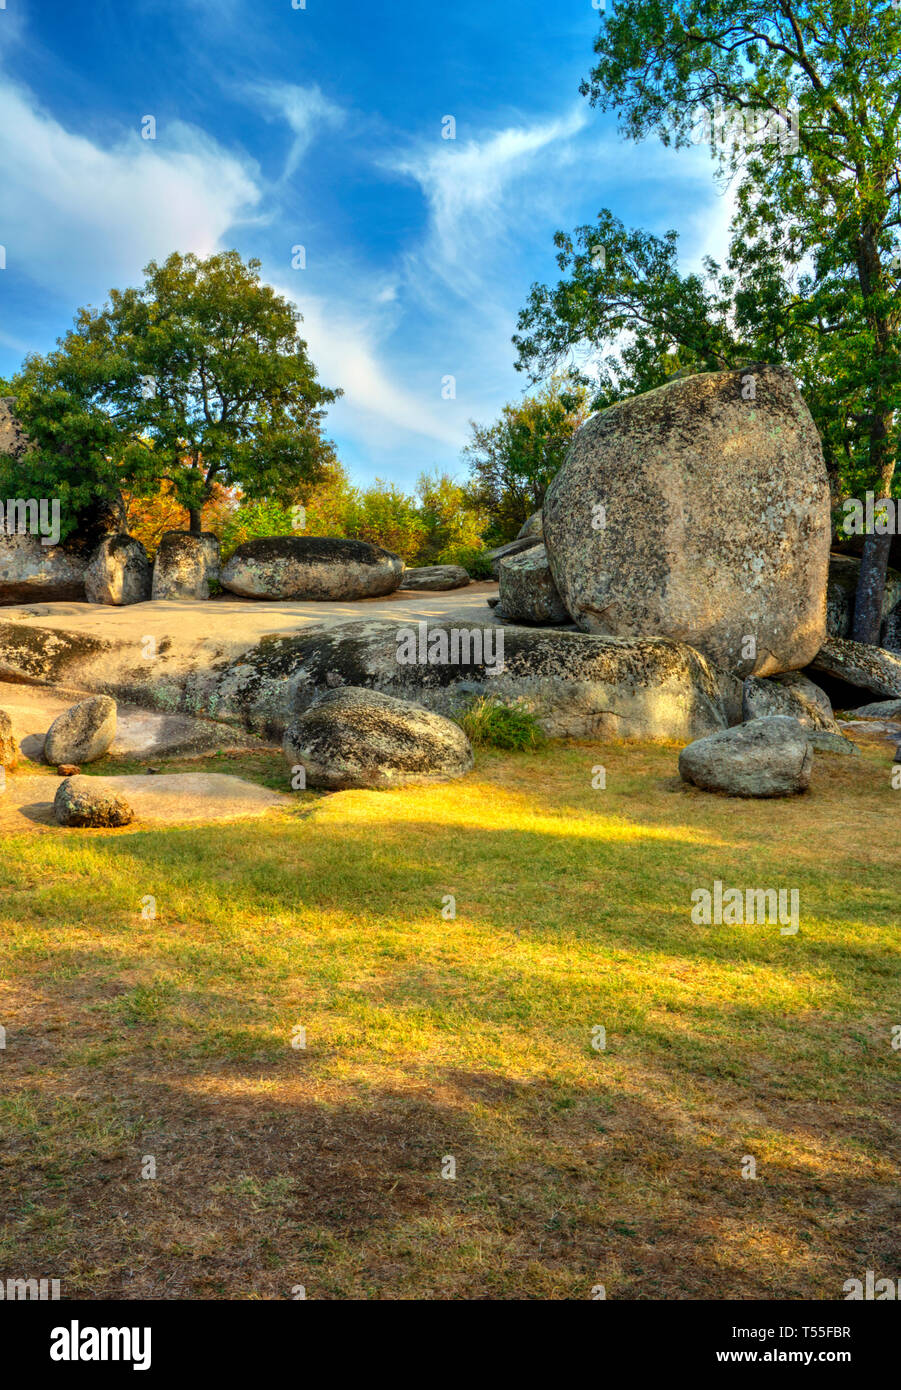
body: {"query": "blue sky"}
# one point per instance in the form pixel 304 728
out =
pixel 322 127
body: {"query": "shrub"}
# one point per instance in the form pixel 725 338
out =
pixel 491 724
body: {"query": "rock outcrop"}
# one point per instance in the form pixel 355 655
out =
pixel 528 593
pixel 699 511
pixel 31 572
pixel 83 734
pixel 353 737
pixel 313 568
pixel 765 757
pixel 118 572
pixel 185 565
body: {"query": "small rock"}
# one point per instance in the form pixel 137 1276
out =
pixel 68 770
pixel 825 742
pixel 765 757
pixel 78 803
pixel 435 577
pixel 83 733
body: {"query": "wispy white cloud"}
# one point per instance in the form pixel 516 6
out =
pixel 305 110
pixel 73 209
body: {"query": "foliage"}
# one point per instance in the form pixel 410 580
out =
pixel 197 379
pixel 488 723
pixel 512 461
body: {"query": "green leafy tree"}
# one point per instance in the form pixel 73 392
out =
pixel 512 461
pixel 198 377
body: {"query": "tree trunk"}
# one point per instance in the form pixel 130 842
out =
pixel 196 523
pixel 869 598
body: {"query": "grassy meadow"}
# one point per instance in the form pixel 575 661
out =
pixel 431 1037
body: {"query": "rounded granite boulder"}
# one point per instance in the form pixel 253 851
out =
pixel 318 568
pixel 83 733
pixel 699 511
pixel 765 757
pixel 118 572
pixel 353 737
pixel 185 565
pixel 79 803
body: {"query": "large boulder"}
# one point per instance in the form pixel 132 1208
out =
pixel 578 686
pixel 185 565
pixel 9 744
pixel 33 572
pixel 435 577
pixel 531 527
pixel 500 552
pixel 118 572
pixel 527 592
pixel 699 511
pixel 880 709
pixel 80 801
pixel 860 665
pixel 793 695
pixel 311 567
pixel 844 572
pixel 358 738
pixel 765 757
pixel 83 733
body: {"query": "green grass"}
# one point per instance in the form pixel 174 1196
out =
pixel 430 1034
pixel 491 724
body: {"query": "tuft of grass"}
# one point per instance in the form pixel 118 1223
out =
pixel 491 724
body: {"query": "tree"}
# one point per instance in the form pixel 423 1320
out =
pixel 512 461
pixel 198 379
pixel 802 101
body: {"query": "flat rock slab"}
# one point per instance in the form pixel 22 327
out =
pixel 140 733
pixel 169 798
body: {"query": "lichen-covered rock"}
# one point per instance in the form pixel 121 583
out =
pixel 358 738
pixel 791 694
pixel 185 565
pixel 528 593
pixel 118 572
pixel 577 686
pixel 79 803
pixel 824 741
pixel 319 568
pixel 879 709
pixel 765 757
pixel 870 668
pixel 9 748
pixel 33 572
pixel 83 733
pixel 844 572
pixel 500 552
pixel 437 577
pixel 698 511
pixel 532 526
